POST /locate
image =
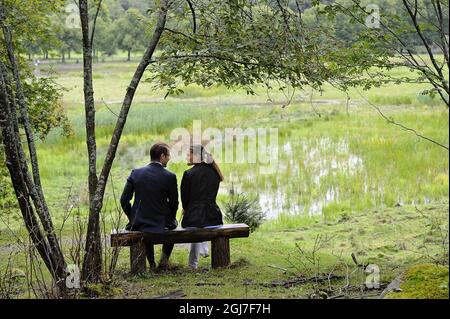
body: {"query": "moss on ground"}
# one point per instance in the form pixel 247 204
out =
pixel 424 281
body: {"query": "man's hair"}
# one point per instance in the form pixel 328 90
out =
pixel 157 150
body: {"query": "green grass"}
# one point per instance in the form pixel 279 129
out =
pixel 393 239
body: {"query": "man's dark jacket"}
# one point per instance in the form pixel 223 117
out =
pixel 199 188
pixel 155 199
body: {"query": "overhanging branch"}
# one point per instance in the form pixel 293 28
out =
pixel 95 21
pixel 391 121
pixel 194 18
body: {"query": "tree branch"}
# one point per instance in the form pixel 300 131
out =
pixel 182 34
pixel 391 121
pixel 95 22
pixel 413 16
pixel 194 18
pixel 445 46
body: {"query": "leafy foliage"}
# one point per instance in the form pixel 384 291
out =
pixel 410 34
pixel 232 44
pixel 130 31
pixel 45 108
pixel 306 43
pixel 42 95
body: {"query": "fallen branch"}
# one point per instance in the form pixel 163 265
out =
pixel 300 281
pixel 209 284
pixel 173 295
pixel 277 267
pixel 393 286
pixel 336 297
pixel 362 266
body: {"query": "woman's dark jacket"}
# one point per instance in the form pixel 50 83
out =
pixel 199 188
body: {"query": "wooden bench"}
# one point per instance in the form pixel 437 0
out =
pixel 219 237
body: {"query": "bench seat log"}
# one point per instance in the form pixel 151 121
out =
pixel 219 237
pixel 180 235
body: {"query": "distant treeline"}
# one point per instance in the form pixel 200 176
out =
pixel 126 24
pixel 121 25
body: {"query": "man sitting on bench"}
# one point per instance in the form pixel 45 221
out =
pixel 155 201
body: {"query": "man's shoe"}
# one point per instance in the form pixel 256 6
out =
pixel 163 262
pixel 162 268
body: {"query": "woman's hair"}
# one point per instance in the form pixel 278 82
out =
pixel 201 153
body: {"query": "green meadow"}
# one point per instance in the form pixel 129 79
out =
pixel 345 182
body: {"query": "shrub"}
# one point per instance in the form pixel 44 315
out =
pixel 242 208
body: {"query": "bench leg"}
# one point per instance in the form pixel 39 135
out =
pixel 138 258
pixel 220 252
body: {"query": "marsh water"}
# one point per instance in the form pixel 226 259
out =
pixel 298 186
pixel 313 177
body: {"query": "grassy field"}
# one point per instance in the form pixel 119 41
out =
pixel 345 178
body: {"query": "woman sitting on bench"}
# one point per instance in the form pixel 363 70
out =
pixel 199 188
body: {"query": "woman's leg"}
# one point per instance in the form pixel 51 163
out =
pixel 198 248
pixel 193 255
pixel 204 249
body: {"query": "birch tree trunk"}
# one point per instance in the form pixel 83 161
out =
pixel 97 185
pixel 27 186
